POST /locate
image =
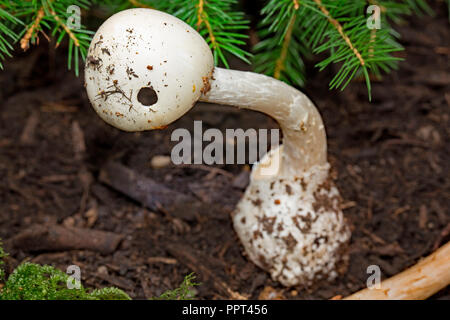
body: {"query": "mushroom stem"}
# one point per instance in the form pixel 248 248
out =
pixel 419 282
pixel 304 142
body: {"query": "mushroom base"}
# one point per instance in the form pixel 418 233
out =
pixel 293 227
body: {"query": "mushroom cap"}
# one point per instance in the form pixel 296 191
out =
pixel 293 227
pixel 145 69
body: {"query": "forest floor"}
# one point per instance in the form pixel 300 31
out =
pixel 391 156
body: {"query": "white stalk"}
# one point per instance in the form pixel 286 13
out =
pixel 304 143
pixel 289 219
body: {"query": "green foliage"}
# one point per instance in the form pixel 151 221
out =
pixel 184 292
pixel 2 256
pixel 280 52
pixel 216 21
pixel 290 31
pixel 25 20
pixel 30 281
pixel 335 28
pixel 7 34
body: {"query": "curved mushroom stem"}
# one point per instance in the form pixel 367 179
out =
pixel 289 220
pixel 304 142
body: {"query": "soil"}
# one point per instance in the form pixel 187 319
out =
pixel 391 157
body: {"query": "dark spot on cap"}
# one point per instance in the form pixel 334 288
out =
pixel 288 189
pixel 147 96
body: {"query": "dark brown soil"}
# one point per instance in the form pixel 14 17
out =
pixel 392 158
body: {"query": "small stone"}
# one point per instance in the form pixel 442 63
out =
pixel 102 270
pixel 91 215
pixel 430 134
pixel 69 222
pixel 270 293
pixel 159 162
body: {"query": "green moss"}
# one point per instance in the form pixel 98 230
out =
pixel 2 256
pixel 30 281
pixel 184 292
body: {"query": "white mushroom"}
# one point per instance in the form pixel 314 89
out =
pixel 289 219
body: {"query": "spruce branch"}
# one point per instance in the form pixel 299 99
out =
pixel 337 28
pixel 7 34
pixel 139 4
pixel 279 53
pixel 202 18
pixel 217 21
pixel 32 29
pixel 341 31
pixel 287 40
pixel 46 17
pixel 290 31
pixel 65 27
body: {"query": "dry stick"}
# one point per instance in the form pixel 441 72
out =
pixel 155 195
pixel 419 282
pixel 58 238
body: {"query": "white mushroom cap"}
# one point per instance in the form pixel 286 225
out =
pixel 293 227
pixel 145 69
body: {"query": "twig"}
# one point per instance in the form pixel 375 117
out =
pixel 58 238
pixel 66 28
pixel 139 4
pixel 279 66
pixel 153 194
pixel 25 41
pixel 202 18
pixel 419 282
